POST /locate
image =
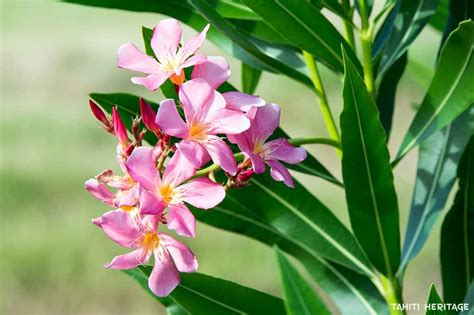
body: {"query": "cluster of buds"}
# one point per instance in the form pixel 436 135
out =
pixel 159 182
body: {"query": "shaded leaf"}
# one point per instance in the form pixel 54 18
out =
pixel 434 298
pixel 469 300
pixel 250 78
pixel 299 297
pixel 303 25
pixel 367 174
pixel 387 90
pixel 438 158
pixel 439 19
pixel 457 233
pixel 450 91
pixel 405 22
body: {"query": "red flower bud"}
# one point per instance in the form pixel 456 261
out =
pixel 100 115
pixel 119 127
pixel 149 117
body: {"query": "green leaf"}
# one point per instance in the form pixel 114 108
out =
pixel 299 297
pixel 233 10
pixel 434 298
pixel 457 233
pixel 438 158
pixel 367 175
pixel 405 22
pixel 386 92
pixel 303 25
pixel 450 92
pixel 272 59
pixel 201 294
pixel 351 292
pixel 458 11
pixel 439 19
pixel 250 78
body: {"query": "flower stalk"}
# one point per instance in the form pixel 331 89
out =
pixel 322 98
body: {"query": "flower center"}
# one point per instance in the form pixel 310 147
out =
pixel 258 148
pixel 150 241
pixel 167 192
pixel 171 63
pixel 198 131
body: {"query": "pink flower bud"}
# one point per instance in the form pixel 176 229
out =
pixel 100 115
pixel 149 117
pixel 119 127
pixel 244 175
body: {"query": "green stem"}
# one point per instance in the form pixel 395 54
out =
pixel 348 31
pixel 295 141
pixel 366 45
pixel 322 98
pixel 392 294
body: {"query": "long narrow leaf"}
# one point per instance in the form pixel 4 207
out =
pixel 308 29
pixel 433 301
pixel 250 78
pixel 450 92
pixel 299 297
pixel 457 234
pixel 367 174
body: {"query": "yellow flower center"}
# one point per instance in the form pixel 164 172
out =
pixel 198 131
pixel 150 241
pixel 128 208
pixel 258 147
pixel 166 192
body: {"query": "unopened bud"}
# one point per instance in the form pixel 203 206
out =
pixel 119 127
pixel 101 117
pixel 244 175
pixel 149 117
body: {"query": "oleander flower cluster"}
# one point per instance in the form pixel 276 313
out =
pixel 158 183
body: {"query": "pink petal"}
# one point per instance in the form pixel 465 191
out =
pixel 196 96
pixel 150 203
pixel 241 101
pixel 178 170
pixel 141 166
pixel 181 220
pixel 280 173
pixel 266 120
pixel 166 38
pixel 194 60
pixel 202 193
pixel 257 162
pixel 228 121
pixel 280 149
pixel 130 57
pixel 183 257
pixel 222 155
pixel 128 197
pixel 165 277
pixel 153 81
pixel 127 261
pixel 99 191
pixel 120 227
pixel 169 120
pixel 194 43
pixel 215 71
pixel 194 152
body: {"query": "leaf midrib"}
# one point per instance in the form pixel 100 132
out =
pixel 296 291
pixel 211 299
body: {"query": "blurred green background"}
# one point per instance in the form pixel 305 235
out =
pixel 54 54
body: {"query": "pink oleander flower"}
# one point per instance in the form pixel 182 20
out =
pixel 215 71
pixel 172 55
pixel 253 145
pixel 206 117
pixel 171 191
pixel 140 233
